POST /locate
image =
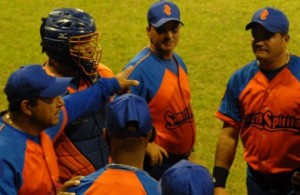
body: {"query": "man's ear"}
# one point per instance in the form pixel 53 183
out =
pixel 26 107
pixel 148 29
pixel 287 38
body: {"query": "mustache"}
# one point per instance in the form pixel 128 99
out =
pixel 259 48
pixel 168 40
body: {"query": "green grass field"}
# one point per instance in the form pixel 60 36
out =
pixel 213 44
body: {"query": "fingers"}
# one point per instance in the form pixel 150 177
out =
pixel 164 152
pixel 128 71
pixel 75 181
pixel 156 160
pixel 153 153
pixel 125 83
pixel 66 193
pixel 71 183
pixel 132 83
pixel 79 177
pixel 125 73
pixel 160 159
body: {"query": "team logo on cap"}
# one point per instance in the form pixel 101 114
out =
pixel 167 9
pixel 264 14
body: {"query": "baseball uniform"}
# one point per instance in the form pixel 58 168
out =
pixel 267 114
pixel 117 179
pixel 27 163
pixel 164 84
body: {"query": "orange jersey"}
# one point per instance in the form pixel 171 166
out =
pixel 117 179
pixel 267 114
pixel 28 164
pixel 165 86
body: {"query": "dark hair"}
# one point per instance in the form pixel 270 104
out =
pixel 15 107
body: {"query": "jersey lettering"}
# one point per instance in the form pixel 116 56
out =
pixel 174 120
pixel 270 122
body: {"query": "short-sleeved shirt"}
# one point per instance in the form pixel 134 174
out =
pixel 117 179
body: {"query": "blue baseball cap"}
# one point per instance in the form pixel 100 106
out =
pixel 33 81
pixel 162 12
pixel 129 108
pixel 272 19
pixel 186 178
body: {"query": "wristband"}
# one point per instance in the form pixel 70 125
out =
pixel 220 175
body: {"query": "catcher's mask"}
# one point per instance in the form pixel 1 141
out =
pixel 69 36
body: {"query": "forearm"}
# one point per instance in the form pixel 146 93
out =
pixel 225 153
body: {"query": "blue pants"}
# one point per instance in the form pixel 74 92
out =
pixel 273 184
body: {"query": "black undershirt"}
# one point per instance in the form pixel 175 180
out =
pixel 270 74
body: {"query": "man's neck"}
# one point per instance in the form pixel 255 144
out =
pixel 162 55
pixel 130 159
pixel 21 123
pixel 277 63
pixel 60 70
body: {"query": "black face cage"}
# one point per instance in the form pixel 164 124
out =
pixel 86 53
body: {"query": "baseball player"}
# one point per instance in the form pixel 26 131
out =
pixel 36 116
pixel 261 105
pixel 165 86
pixel 70 40
pixel 129 131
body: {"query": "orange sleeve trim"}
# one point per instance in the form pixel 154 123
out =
pixel 63 124
pixel 226 119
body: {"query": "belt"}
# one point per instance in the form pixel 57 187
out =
pixel 271 179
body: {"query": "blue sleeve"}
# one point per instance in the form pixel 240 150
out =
pixel 181 63
pixel 150 184
pixel 230 105
pixel 141 89
pixel 293 66
pixel 9 178
pixel 148 71
pixel 91 99
pixel 150 78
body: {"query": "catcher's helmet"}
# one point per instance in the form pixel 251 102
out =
pixel 70 37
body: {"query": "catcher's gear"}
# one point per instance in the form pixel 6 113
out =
pixel 69 36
